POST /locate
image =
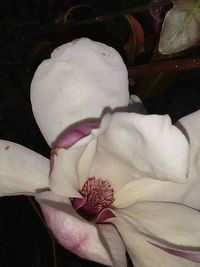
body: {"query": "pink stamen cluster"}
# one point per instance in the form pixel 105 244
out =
pixel 98 195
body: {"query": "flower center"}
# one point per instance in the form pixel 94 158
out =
pixel 98 195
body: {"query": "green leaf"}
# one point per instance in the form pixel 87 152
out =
pixel 181 27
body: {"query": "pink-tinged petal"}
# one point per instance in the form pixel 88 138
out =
pixel 22 171
pixel 69 167
pixel 114 244
pixel 142 253
pixel 190 126
pixel 72 135
pixel 105 215
pixel 72 232
pixel 186 254
pixel 78 203
pixel 135 146
pixel 78 82
pixel 52 160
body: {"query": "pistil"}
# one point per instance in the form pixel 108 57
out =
pixel 98 195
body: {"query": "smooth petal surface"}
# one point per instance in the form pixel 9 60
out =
pixel 147 189
pixel 190 126
pixel 184 253
pixel 165 223
pixel 135 146
pixel 114 243
pixel 85 162
pixel 145 255
pixel 142 253
pixel 70 168
pixel 180 27
pixel 22 171
pixel 72 232
pixel 154 190
pixel 64 175
pixel 78 82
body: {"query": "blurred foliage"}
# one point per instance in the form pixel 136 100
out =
pixel 134 45
pixel 182 33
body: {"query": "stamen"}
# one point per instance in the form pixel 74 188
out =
pixel 98 195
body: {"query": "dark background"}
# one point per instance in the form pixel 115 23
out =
pixel 29 31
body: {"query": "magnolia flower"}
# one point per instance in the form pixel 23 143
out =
pixel 116 181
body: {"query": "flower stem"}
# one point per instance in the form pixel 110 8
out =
pixel 164 66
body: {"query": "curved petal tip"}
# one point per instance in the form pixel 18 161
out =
pixel 186 254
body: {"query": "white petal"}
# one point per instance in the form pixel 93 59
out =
pixel 142 253
pixel 147 189
pixel 71 167
pixel 154 190
pixel 145 255
pixel 72 232
pixel 190 125
pixel 22 171
pixel 135 146
pixel 186 253
pixel 80 80
pixel 85 163
pixel 114 244
pixel 64 176
pixel 165 223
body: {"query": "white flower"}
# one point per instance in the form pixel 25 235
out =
pixel 116 181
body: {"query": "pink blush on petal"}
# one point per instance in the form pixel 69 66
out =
pixel 52 162
pixel 77 203
pixel 70 136
pixel 105 215
pixel 76 235
pixel 186 254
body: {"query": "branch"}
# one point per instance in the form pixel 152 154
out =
pixel 164 66
pixel 102 18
